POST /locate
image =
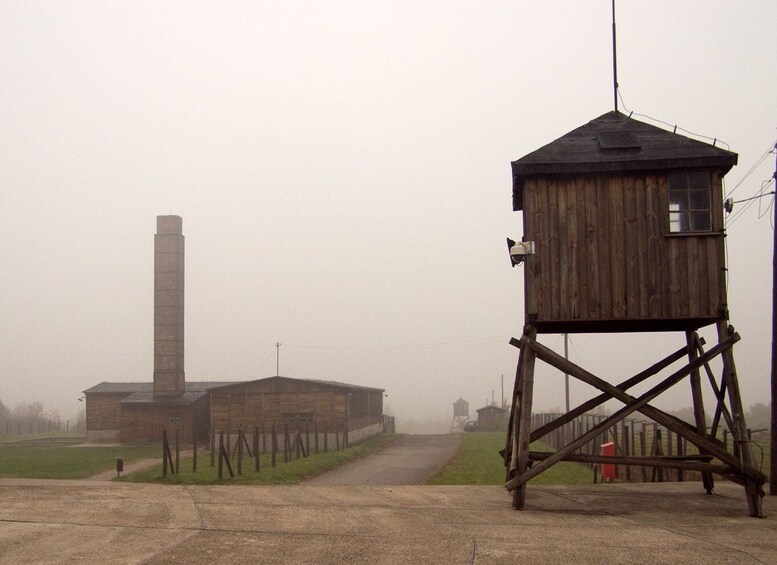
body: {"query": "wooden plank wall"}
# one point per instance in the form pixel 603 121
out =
pixel 366 404
pixel 604 252
pixel 492 420
pixel 246 409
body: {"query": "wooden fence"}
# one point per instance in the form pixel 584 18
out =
pixel 15 426
pixel 634 437
pixel 282 441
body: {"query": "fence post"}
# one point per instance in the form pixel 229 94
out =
pixel 256 449
pixel 274 443
pixel 626 448
pixel 177 452
pixel 164 453
pixel 573 425
pixel 221 456
pixel 224 457
pixel 680 452
pixel 643 451
pixel 286 441
pixel 240 451
pixel 212 447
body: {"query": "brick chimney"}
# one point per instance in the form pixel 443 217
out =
pixel 169 377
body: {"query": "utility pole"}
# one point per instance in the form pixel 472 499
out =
pixel 614 68
pixel 773 427
pixel 277 358
pixel 566 375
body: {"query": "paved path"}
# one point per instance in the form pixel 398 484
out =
pixel 139 465
pixel 411 460
pixel 57 521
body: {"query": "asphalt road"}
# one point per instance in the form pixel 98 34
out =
pixel 409 461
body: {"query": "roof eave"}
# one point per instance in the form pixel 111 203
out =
pixel 522 171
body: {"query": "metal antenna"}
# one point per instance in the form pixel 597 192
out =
pixel 614 62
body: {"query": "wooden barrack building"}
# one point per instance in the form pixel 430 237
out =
pixel 327 406
pixel 130 413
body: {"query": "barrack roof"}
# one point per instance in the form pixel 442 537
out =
pixel 143 393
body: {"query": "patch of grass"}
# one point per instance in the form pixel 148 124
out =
pixel 38 462
pixel 293 472
pixel 478 463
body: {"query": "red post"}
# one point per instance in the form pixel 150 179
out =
pixel 608 469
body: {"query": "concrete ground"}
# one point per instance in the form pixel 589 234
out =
pixel 51 521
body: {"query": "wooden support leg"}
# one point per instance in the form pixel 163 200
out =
pixel 510 442
pixel 698 402
pixel 523 419
pixel 753 489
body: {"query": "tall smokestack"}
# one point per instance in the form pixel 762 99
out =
pixel 169 377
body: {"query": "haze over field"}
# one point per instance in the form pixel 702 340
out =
pixel 343 174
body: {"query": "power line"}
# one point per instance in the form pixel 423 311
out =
pixel 753 168
pixel 749 202
pixel 416 346
pixel 765 185
pixel 752 198
pixel 263 363
pixel 675 128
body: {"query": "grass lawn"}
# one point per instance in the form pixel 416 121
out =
pixel 292 472
pixel 478 463
pixel 38 462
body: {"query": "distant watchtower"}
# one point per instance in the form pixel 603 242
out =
pixel 626 222
pixel 460 415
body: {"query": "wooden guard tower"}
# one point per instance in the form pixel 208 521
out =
pixel 460 415
pixel 627 225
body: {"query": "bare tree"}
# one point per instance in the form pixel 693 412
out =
pixel 759 416
pixel 28 411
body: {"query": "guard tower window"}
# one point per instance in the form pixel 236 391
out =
pixel 690 202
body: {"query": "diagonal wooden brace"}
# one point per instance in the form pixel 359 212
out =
pixel 720 395
pixel 632 405
pixel 678 426
pixel 604 397
pixel 674 424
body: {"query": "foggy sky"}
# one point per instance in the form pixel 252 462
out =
pixel 343 173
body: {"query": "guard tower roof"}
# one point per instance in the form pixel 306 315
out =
pixel 614 143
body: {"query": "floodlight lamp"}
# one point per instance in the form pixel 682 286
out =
pixel 519 250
